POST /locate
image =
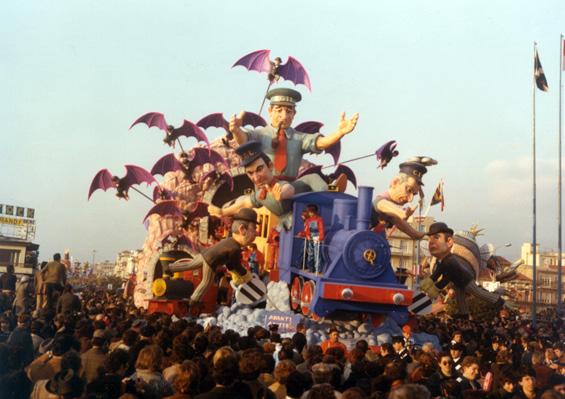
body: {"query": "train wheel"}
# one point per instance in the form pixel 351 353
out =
pixel 308 291
pixel 296 293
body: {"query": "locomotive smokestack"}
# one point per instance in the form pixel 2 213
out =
pixel 344 213
pixel 364 207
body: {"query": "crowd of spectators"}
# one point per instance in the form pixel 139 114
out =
pixel 96 344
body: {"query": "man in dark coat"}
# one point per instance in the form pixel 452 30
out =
pixel 69 302
pixel 227 252
pixel 8 279
pixel 21 337
pixel 450 269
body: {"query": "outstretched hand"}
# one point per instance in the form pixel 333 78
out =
pixel 236 122
pixel 346 126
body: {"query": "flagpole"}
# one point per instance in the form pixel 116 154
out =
pixel 534 249
pixel 559 241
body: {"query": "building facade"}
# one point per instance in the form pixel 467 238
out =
pixel 126 263
pixel 404 250
pixel 105 268
pixel 521 288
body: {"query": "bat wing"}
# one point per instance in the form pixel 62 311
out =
pixel 256 61
pixel 213 120
pixel 189 129
pixel 137 175
pixel 216 158
pixel 165 208
pixel 341 168
pixel 102 180
pixel 250 118
pixel 167 163
pixel 199 211
pixel 161 193
pixel 309 127
pixel 385 153
pixel 317 169
pixel 294 71
pixel 228 179
pixel 151 119
pixel 334 151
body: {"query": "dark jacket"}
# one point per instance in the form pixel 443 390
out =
pixel 68 303
pixel 21 337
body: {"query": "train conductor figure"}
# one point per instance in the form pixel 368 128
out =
pixel 314 236
pixel 227 252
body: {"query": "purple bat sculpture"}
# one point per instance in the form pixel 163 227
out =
pixel 311 127
pixel 165 208
pixel 200 156
pixel 165 164
pixel 291 70
pixel 317 169
pixel 385 153
pixel 135 175
pixel 215 175
pixel 187 129
pixel 160 193
pixel 217 120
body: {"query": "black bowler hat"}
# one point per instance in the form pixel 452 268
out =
pixel 439 227
pixel 246 214
pixel 249 152
pixel 283 96
pixel 415 170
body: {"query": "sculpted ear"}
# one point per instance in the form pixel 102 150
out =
pixel 395 180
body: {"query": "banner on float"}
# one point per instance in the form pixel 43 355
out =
pixel 287 322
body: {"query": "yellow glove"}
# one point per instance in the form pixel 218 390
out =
pixel 238 279
pixel 427 285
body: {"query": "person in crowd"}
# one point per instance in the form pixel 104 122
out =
pixel 527 384
pixel 470 373
pixel 505 390
pixel 68 302
pixel 21 338
pixel 65 384
pixel 54 277
pixel 94 358
pixel 400 349
pixel 24 296
pixel 333 341
pixel 445 372
pixel 8 280
pixel 147 378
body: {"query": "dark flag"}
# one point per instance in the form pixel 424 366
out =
pixel 541 81
pixel 438 197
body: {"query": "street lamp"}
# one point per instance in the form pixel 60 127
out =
pixel 508 244
pixel 93 256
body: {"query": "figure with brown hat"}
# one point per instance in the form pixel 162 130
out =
pixel 389 207
pixel 226 252
pixel 449 269
pixel 283 144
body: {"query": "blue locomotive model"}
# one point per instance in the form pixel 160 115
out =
pixel 355 273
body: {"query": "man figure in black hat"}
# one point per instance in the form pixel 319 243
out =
pixel 388 207
pixel 270 191
pixel 227 252
pixel 449 269
pixel 280 142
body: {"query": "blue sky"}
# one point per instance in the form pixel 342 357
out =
pixel 448 79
